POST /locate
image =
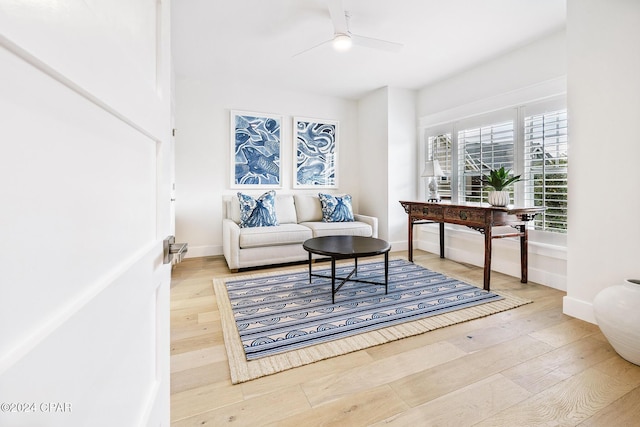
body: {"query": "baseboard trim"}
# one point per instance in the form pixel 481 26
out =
pixel 507 261
pixel 203 251
pixel 577 308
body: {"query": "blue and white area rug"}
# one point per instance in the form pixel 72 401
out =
pixel 278 321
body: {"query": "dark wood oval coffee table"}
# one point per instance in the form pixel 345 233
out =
pixel 346 247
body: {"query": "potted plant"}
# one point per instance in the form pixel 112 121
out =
pixel 498 180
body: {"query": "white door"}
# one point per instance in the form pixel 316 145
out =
pixel 85 169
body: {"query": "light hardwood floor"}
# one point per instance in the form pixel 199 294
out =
pixel 528 366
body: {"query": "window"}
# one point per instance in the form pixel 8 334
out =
pixel 440 149
pixel 545 165
pixel 480 150
pixel 530 140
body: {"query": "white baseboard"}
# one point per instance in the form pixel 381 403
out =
pixel 399 246
pixel 202 251
pixel 210 250
pixel 577 308
pixel 468 247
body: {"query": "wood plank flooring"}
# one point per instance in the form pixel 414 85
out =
pixel 528 366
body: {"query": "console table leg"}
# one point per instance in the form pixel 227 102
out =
pixel 524 243
pixel 487 257
pixel 442 240
pixel 410 235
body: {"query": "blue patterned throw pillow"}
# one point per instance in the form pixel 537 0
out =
pixel 336 208
pixel 260 212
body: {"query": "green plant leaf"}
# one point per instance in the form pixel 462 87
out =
pixel 499 179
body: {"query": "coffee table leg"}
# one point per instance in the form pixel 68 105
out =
pixel 309 267
pixel 356 267
pixel 333 280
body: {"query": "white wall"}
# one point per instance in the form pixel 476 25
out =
pixel 533 72
pixel 604 106
pixel 526 67
pixel 402 162
pixel 373 129
pixel 203 149
pixel 387 130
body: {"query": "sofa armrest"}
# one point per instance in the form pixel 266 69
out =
pixel 231 243
pixel 371 220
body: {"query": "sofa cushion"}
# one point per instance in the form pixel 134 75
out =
pixel 308 208
pixel 355 228
pixel 260 212
pixel 284 234
pixel 286 209
pixel 336 208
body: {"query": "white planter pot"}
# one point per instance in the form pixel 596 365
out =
pixel 617 311
pixel 498 198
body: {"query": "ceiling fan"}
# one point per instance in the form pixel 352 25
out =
pixel 343 39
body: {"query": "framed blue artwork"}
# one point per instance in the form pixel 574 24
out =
pixel 315 153
pixel 256 150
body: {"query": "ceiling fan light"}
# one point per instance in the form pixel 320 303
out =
pixel 342 42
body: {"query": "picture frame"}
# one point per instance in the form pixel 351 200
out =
pixel 256 150
pixel 315 153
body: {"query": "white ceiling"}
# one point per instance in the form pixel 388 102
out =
pixel 256 40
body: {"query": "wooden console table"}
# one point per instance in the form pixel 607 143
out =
pixel 481 217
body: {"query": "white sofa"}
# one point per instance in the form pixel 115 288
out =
pixel 299 218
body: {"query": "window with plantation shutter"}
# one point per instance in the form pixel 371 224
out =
pixel 545 166
pixel 439 147
pixel 530 140
pixel 481 149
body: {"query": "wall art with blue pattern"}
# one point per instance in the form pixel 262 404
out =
pixel 256 149
pixel 316 153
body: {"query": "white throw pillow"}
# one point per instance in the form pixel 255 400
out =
pixel 286 209
pixel 308 208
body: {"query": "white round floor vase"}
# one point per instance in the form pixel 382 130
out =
pixel 498 198
pixel 617 311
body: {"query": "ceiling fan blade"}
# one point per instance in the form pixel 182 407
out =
pixel 312 47
pixel 376 43
pixel 338 16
